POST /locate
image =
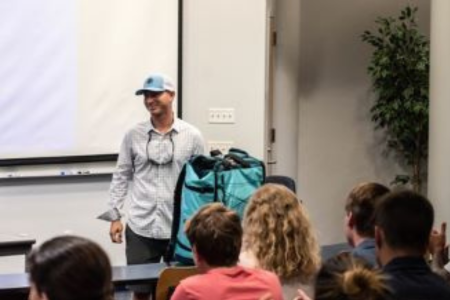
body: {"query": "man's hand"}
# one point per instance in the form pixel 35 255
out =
pixel 301 295
pixel 115 231
pixel 438 246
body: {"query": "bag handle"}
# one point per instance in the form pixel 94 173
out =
pixel 236 159
pixel 238 152
pixel 215 153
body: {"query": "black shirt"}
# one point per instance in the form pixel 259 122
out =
pixel 410 278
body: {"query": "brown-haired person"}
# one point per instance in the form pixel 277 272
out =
pixel 346 277
pixel 215 234
pixel 278 237
pixel 403 223
pixel 359 219
pixel 70 268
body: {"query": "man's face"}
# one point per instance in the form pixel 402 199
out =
pixel 158 103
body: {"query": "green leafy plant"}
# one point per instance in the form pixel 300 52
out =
pixel 399 68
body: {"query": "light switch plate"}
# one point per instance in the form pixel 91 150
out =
pixel 221 116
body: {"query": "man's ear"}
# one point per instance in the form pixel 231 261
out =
pixel 350 220
pixel 379 237
pixel 35 295
pixel 197 258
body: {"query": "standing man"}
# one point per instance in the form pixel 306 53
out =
pixel 151 157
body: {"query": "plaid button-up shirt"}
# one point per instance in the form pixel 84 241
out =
pixel 149 186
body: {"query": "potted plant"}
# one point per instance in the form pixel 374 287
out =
pixel 399 69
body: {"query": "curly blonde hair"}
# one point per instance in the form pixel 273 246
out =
pixel 278 232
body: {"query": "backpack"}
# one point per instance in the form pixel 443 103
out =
pixel 230 179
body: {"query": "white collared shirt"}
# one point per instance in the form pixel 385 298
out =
pixel 150 188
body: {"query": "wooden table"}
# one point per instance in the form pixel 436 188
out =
pixel 15 245
pixel 17 285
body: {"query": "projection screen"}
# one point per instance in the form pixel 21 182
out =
pixel 69 70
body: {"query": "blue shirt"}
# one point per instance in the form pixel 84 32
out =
pixel 366 251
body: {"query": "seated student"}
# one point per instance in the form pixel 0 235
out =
pixel 438 249
pixel 278 237
pixel 359 226
pixel 403 223
pixel 215 234
pixel 346 277
pixel 70 268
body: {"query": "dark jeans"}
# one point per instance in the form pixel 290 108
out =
pixel 143 250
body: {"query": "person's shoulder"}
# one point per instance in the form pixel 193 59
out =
pixel 404 284
pixel 263 274
pixel 183 290
pixel 270 280
pixel 143 125
pixel 440 282
pixel 194 282
pixel 367 255
pixel 138 127
pixel 135 133
pixel 185 126
pixel 196 287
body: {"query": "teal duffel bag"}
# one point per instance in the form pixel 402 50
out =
pixel 230 179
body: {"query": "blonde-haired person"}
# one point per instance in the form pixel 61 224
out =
pixel 346 277
pixel 278 237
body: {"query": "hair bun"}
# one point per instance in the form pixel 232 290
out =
pixel 360 282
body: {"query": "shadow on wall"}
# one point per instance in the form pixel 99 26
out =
pixel 384 163
pixel 330 38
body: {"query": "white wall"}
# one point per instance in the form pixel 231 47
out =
pixel 337 144
pixel 45 208
pixel 320 74
pixel 439 145
pixel 224 63
pixel 224 67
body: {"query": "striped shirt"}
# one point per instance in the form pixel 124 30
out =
pixel 147 170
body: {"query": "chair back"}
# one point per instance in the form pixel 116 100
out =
pixel 283 180
pixel 169 278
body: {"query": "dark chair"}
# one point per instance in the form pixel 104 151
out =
pixel 283 180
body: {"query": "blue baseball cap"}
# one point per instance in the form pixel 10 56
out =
pixel 157 83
